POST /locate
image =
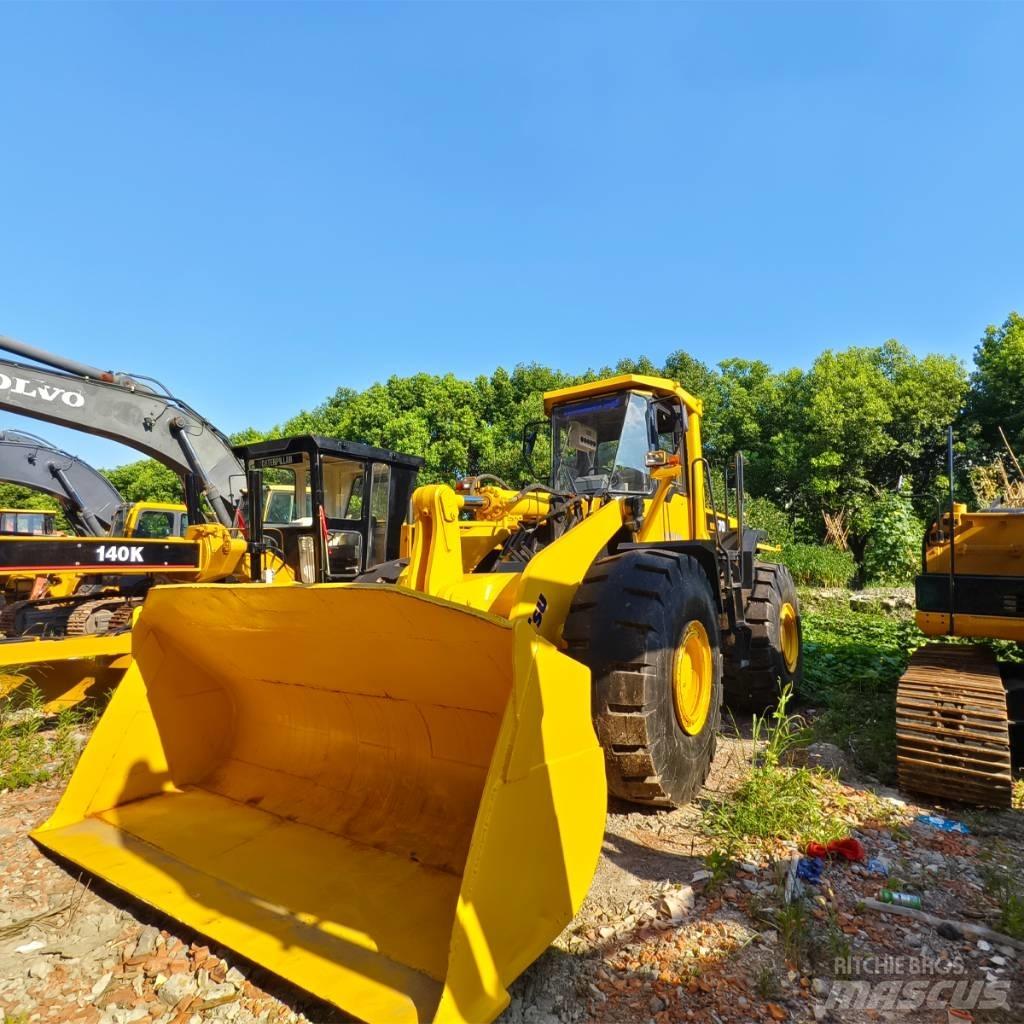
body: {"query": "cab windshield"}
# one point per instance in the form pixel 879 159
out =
pixel 599 446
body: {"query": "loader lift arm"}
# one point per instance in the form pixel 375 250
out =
pixel 88 498
pixel 139 413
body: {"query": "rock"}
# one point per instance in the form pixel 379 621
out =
pixel 769 937
pixel 819 1011
pixel 214 995
pixel 146 945
pixel 101 986
pixel 913 939
pixel 30 947
pixel 596 993
pixel 819 986
pixel 657 1004
pixel 176 988
pixel 749 866
pixel 675 905
pixel 948 930
pixel 39 968
pixel 826 756
pixel 985 947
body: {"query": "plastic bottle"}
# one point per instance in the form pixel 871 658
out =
pixel 900 899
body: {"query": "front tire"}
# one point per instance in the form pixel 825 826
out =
pixel 645 623
pixel 776 643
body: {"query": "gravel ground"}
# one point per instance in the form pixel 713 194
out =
pixel 656 940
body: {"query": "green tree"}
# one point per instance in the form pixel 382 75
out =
pixel 867 420
pixel 145 480
pixel 997 386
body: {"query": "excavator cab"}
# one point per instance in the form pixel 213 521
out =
pixel 21 522
pixel 149 519
pixel 330 509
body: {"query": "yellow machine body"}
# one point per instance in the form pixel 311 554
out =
pixel 956 705
pixel 389 800
pixel 70 669
pixel 392 796
pixel 134 520
pixel 65 671
pixel 989 564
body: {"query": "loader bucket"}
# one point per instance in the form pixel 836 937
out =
pixel 66 671
pixel 390 800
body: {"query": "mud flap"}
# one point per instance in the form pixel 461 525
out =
pixel 394 802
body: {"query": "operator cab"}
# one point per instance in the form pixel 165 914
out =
pixel 149 519
pixel 605 444
pixel 19 522
pixel 330 509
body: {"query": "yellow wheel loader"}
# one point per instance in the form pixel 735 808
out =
pixel 959 712
pixel 392 792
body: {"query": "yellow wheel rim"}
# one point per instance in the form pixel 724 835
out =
pixel 789 626
pixel 692 679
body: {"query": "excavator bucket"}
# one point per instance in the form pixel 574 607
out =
pixel 66 671
pixel 390 800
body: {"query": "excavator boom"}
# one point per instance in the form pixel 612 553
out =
pixel 88 498
pixel 139 414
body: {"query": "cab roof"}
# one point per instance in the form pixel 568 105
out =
pixel 327 446
pixel 660 387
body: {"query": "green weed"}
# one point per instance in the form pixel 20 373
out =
pixel 780 732
pixel 766 984
pixel 794 930
pixel 1006 890
pixel 773 801
pixel 721 864
pixel 33 747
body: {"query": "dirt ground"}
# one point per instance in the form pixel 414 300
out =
pixel 666 933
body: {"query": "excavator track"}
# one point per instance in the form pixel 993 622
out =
pixel 44 618
pixel 122 617
pixel 952 729
pixel 82 618
pixel 9 617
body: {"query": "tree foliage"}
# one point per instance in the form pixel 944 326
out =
pixel 861 430
pixel 145 480
pixel 997 384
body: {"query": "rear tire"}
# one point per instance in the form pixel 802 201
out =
pixel 773 614
pixel 645 624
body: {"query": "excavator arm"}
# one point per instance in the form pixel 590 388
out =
pixel 140 414
pixel 88 498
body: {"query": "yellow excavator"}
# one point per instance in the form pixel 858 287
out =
pixel 960 712
pixel 392 792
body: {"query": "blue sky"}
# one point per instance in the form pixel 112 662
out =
pixel 259 203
